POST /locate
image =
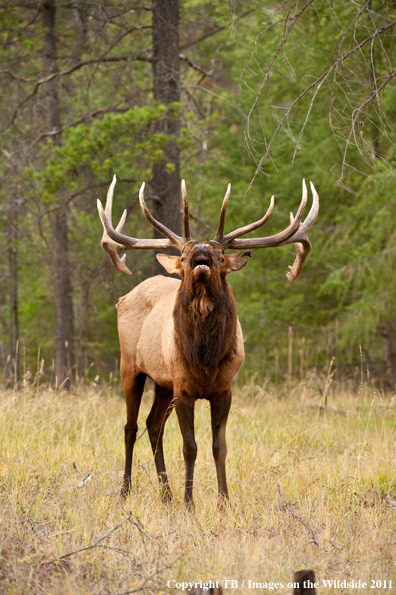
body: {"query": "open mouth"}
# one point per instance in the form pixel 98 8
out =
pixel 201 268
pixel 201 264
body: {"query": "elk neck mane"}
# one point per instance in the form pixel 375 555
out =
pixel 205 318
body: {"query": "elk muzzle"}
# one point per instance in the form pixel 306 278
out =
pixel 201 264
pixel 201 272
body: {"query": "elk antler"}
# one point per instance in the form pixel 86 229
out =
pixel 186 222
pixel 113 238
pixel 295 233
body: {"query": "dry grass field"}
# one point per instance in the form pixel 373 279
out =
pixel 308 490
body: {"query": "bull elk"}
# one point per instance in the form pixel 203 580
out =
pixel 186 335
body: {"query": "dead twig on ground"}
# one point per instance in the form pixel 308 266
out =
pixel 89 547
pixel 84 482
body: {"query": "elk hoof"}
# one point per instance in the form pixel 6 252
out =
pixel 189 502
pixel 166 495
pixel 126 489
pixel 223 502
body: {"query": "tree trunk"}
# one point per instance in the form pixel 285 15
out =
pixel 12 261
pixel 58 217
pixel 166 85
pixel 388 332
pixel 2 358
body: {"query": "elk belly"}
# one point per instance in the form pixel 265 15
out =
pixel 154 349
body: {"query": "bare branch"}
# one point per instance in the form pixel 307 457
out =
pixel 236 108
pixel 15 76
pixel 317 83
pixel 117 41
pixel 306 119
pixel 212 32
pixel 204 36
pixel 370 11
pixel 355 116
pixel 299 517
pixel 40 82
pixel 92 187
pixel 83 118
pixel 266 77
pixel 195 66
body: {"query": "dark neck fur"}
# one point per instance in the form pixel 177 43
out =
pixel 205 318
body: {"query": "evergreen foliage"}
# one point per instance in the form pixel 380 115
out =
pixel 347 289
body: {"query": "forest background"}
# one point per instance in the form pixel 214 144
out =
pixel 262 95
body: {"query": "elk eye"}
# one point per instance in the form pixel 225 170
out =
pixel 221 259
pixel 183 259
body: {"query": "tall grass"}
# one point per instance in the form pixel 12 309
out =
pixel 309 488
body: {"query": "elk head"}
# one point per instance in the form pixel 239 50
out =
pixel 208 260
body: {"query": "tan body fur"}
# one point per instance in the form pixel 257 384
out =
pixel 146 331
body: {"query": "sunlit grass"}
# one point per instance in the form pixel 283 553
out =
pixel 295 474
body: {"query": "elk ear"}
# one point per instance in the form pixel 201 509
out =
pixel 235 262
pixel 170 263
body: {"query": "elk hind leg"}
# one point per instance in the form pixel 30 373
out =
pixel 133 389
pixel 160 411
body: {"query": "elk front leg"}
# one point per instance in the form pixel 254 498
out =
pixel 220 408
pixel 133 389
pixel 185 414
pixel 160 411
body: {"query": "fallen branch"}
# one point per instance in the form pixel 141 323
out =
pixel 143 583
pixel 305 544
pixel 314 538
pixel 89 547
pixel 145 429
pixel 84 482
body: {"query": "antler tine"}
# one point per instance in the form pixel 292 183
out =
pixel 176 240
pixel 107 243
pixel 276 240
pixel 313 213
pixel 122 221
pixel 220 229
pixel 247 228
pixel 300 238
pixel 296 234
pixel 186 222
pixel 113 238
pixel 303 249
pixel 109 198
